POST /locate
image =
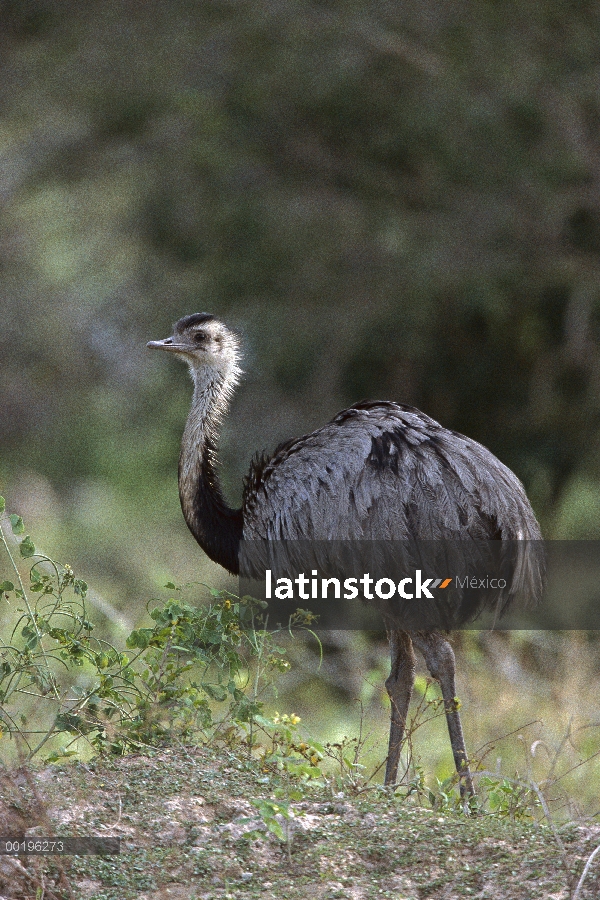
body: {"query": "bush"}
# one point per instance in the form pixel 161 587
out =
pixel 198 673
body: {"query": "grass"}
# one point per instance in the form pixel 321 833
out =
pixel 183 813
pixel 529 706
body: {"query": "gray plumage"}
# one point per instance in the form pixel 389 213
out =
pixel 377 471
pixel 383 471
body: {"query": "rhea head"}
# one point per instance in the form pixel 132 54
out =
pixel 206 345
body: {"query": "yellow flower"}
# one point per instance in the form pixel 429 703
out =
pixel 294 719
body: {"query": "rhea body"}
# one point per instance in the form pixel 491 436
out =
pixel 377 471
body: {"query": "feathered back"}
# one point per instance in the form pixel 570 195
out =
pixel 381 471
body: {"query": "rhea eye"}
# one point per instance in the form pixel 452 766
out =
pixel 200 337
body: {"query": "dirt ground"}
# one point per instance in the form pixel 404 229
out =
pixel 189 831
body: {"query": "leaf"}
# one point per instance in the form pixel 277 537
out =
pixel 252 835
pixel 140 638
pixel 74 724
pixel 275 828
pixel 261 720
pixel 17 524
pixel 2 504
pixel 299 769
pixel 215 691
pixel 27 547
pixel 57 755
pixel 31 636
pixel 7 586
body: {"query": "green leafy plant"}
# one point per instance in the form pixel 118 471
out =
pixel 283 748
pixel 278 817
pixel 198 672
pixel 509 798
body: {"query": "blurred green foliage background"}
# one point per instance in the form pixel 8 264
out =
pixel 388 200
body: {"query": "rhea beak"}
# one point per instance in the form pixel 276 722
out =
pixel 166 344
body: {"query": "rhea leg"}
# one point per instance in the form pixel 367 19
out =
pixel 439 658
pixel 399 686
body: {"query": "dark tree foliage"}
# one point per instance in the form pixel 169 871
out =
pixel 392 201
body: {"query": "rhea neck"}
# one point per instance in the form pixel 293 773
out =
pixel 215 525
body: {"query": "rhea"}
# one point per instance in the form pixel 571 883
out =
pixel 377 471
